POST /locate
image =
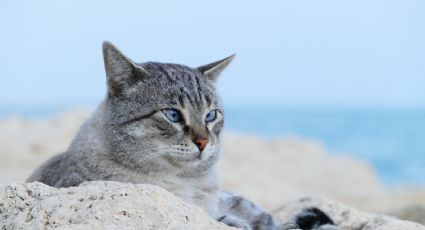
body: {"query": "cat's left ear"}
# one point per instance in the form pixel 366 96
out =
pixel 213 70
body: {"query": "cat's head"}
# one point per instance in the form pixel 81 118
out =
pixel 162 117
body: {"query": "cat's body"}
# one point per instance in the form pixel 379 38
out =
pixel 159 124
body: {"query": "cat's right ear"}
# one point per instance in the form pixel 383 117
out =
pixel 120 70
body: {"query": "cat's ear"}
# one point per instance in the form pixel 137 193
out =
pixel 120 70
pixel 213 70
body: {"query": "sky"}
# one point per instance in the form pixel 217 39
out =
pixel 357 53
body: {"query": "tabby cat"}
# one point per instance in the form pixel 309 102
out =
pixel 159 124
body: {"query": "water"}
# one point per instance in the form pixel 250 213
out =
pixel 393 141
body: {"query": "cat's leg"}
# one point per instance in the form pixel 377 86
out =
pixel 234 221
pixel 240 212
pixel 70 180
pixel 236 210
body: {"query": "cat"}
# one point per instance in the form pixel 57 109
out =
pixel 159 124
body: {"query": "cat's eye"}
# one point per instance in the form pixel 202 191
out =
pixel 172 114
pixel 211 116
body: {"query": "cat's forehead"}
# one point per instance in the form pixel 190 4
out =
pixel 178 78
pixel 174 85
pixel 174 72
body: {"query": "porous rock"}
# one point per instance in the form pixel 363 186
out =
pixel 345 217
pixel 97 205
pixel 115 205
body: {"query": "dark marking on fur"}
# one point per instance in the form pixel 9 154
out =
pixel 263 221
pixel 167 74
pixel 208 100
pixel 199 90
pixel 137 118
pixel 312 218
pixel 186 129
pixel 181 101
pixel 218 127
pixel 221 218
pixel 236 202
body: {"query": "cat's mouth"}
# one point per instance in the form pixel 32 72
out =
pixel 193 157
pixel 186 158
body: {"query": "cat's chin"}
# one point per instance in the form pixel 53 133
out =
pixel 193 162
pixel 193 158
pixel 187 161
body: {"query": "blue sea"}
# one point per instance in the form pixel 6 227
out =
pixel 393 141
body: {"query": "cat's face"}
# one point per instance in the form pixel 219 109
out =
pixel 162 117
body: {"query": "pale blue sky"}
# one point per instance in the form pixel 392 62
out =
pixel 358 53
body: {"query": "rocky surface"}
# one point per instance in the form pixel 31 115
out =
pixel 97 205
pixel 114 205
pixel 344 217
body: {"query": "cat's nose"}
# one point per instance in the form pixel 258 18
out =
pixel 201 143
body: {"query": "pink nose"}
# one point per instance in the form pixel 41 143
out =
pixel 201 143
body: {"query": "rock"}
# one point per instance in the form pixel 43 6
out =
pixel 98 205
pixel 414 213
pixel 345 217
pixel 115 205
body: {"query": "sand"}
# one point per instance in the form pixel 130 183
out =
pixel 270 172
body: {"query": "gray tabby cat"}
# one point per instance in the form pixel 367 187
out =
pixel 159 124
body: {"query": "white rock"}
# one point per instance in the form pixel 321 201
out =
pixel 345 217
pixel 98 205
pixel 115 205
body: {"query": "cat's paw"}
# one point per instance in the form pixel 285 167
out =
pixel 233 221
pixel 70 180
pixel 314 218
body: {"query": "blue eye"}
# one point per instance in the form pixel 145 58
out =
pixel 211 116
pixel 172 114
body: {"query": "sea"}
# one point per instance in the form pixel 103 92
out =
pixel 391 140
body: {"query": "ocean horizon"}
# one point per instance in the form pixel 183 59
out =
pixel 391 140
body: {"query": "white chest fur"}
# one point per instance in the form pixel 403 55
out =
pixel 202 190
